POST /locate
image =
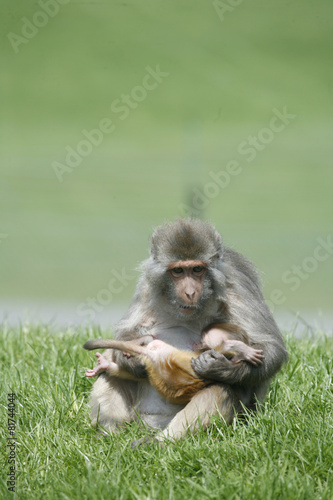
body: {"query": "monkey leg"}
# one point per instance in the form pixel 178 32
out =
pixel 112 400
pixel 216 399
pixel 102 366
pixel 109 367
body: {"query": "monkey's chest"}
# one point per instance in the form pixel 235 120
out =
pixel 180 337
pixel 154 410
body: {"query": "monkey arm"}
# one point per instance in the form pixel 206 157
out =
pixel 213 365
pixel 246 308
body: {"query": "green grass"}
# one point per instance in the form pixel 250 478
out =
pixel 285 452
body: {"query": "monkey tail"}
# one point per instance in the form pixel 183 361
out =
pixel 126 346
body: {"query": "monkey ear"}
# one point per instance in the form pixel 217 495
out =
pixel 218 243
pixel 217 257
pixel 154 245
pixel 153 254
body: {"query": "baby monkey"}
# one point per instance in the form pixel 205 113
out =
pixel 169 369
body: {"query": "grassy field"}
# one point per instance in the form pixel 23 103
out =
pixel 285 452
pixel 225 77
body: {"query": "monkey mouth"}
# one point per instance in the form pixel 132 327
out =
pixel 187 309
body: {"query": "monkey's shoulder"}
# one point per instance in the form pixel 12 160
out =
pixel 239 263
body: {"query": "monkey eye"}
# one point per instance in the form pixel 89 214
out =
pixel 198 269
pixel 177 270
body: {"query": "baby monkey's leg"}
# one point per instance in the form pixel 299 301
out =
pixel 142 341
pixel 221 337
pixel 238 351
pixel 109 367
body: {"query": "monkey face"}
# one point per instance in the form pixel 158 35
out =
pixel 185 270
pixel 187 279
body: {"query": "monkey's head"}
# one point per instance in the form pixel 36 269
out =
pixel 185 269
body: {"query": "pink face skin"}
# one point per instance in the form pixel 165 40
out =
pixel 188 277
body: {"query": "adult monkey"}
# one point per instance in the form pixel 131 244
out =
pixel 190 281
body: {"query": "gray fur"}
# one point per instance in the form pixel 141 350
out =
pixel 231 293
pixel 185 239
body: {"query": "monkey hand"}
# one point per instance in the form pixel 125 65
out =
pixel 212 365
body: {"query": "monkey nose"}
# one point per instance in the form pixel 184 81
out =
pixel 190 295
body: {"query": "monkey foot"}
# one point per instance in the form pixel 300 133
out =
pixel 256 357
pixel 102 366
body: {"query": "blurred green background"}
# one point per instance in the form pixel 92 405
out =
pixel 64 64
